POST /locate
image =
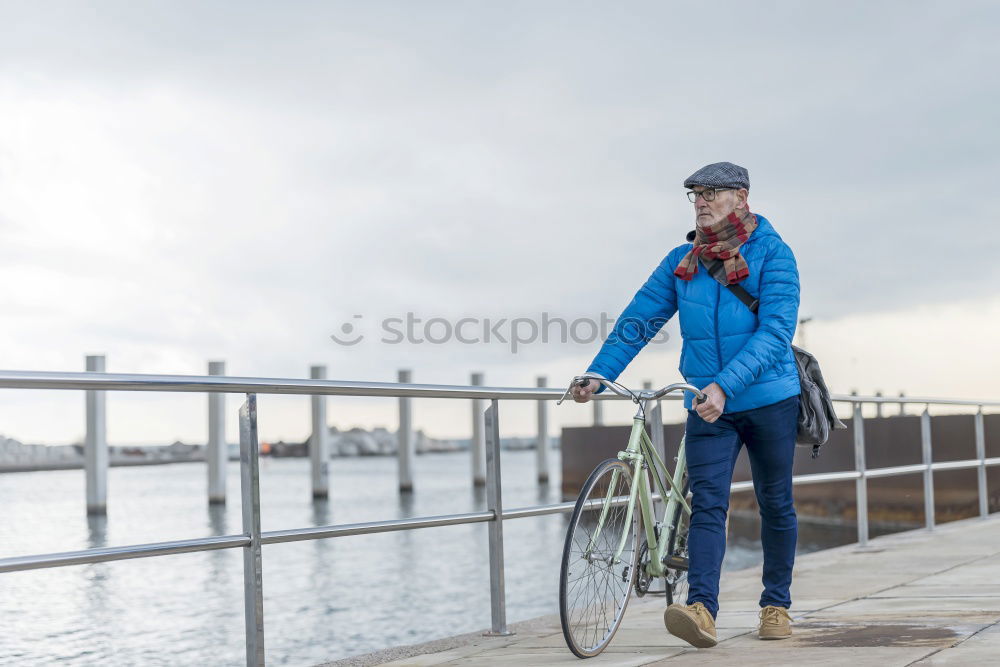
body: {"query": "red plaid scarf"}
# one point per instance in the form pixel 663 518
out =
pixel 720 240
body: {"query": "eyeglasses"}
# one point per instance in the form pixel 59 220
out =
pixel 708 194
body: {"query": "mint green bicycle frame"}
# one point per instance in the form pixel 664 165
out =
pixel 641 455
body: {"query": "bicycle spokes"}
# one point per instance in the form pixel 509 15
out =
pixel 599 560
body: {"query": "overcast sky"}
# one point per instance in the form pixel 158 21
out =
pixel 186 181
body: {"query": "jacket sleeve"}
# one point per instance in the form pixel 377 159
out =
pixel 651 307
pixel 777 315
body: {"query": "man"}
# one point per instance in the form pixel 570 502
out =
pixel 744 363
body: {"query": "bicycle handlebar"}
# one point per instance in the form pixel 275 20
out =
pixel 621 390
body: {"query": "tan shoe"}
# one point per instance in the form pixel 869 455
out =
pixel 693 623
pixel 775 623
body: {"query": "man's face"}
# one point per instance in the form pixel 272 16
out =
pixel 725 202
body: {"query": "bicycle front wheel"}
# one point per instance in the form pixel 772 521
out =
pixel 599 560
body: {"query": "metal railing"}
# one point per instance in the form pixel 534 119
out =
pixel 253 538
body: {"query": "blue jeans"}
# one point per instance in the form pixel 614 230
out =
pixel 769 434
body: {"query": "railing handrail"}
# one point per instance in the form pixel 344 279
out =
pixel 10 379
pixel 126 552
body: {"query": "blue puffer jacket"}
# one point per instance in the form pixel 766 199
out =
pixel 749 356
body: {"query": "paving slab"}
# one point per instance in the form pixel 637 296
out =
pixel 888 605
pixel 773 655
pixel 921 589
pixel 983 648
pixel 555 656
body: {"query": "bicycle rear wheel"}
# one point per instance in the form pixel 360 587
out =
pixel 677 550
pixel 594 586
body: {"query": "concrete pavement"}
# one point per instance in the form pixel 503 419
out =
pixel 915 598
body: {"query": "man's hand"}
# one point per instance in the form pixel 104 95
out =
pixel 711 409
pixel 582 394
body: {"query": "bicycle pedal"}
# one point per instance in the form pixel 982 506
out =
pixel 676 562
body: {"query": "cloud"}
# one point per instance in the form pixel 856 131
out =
pixel 186 181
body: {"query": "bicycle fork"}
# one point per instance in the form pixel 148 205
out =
pixel 608 502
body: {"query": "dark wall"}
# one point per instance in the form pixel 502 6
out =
pixel 889 441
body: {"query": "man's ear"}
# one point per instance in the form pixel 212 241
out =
pixel 741 197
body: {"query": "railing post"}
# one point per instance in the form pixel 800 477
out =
pixel 319 443
pixel 253 589
pixel 902 405
pixel 477 446
pixel 494 503
pixel 542 445
pixel 404 447
pixel 861 483
pixel 925 442
pixel 598 412
pixel 95 448
pixel 217 451
pixel 878 405
pixel 984 497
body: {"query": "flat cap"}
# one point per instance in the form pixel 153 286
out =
pixel 720 175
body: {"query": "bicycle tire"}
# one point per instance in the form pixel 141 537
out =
pixel 583 595
pixel 677 549
pixel 678 552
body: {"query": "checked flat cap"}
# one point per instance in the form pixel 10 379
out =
pixel 720 175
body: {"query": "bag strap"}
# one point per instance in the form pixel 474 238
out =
pixel 744 296
pixel 717 270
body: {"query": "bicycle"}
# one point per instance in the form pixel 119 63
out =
pixel 603 560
